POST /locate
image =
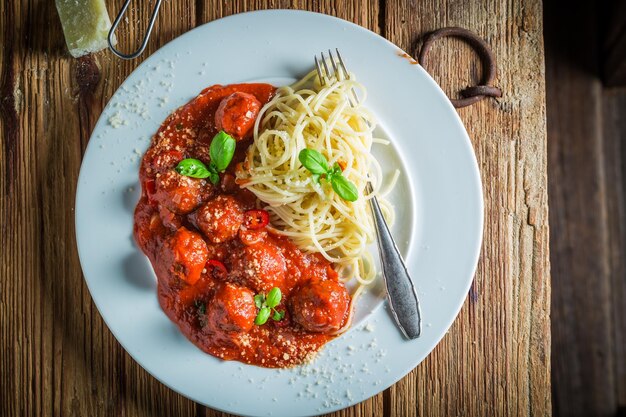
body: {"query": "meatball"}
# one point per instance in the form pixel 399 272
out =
pixel 320 306
pixel 260 266
pixel 180 194
pixel 232 309
pixel 236 114
pixel 219 219
pixel 184 255
pixel 160 157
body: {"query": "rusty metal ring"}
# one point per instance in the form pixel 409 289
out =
pixel 474 94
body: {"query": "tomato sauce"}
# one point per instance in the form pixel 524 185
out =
pixel 212 252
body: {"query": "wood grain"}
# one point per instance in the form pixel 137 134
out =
pixel 58 357
pixel 614 153
pixel 587 190
pixel 580 216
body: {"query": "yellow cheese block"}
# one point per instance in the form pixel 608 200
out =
pixel 86 25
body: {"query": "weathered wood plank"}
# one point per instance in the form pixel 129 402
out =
pixel 614 151
pixel 495 359
pixel 586 199
pixel 19 315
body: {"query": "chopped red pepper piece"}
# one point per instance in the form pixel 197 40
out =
pixel 256 219
pixel 217 266
pixel 150 187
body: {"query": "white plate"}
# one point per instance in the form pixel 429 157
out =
pixel 439 204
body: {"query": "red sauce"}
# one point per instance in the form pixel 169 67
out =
pixel 209 265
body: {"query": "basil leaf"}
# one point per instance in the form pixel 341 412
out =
pixel 313 161
pixel 344 188
pixel 259 299
pixel 278 315
pixel 222 150
pixel 261 318
pixel 213 177
pixel 273 297
pixel 316 178
pixel 192 168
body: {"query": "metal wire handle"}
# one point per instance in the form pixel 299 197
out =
pixel 144 42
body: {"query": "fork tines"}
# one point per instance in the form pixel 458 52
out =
pixel 339 70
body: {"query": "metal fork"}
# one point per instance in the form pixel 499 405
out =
pixel 401 293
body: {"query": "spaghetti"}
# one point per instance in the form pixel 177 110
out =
pixel 330 120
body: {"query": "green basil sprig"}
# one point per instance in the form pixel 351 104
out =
pixel 194 168
pixel 221 152
pixel 318 165
pixel 267 305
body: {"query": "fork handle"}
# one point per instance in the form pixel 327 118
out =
pixel 401 292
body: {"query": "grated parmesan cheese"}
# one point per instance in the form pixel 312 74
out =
pixel 116 121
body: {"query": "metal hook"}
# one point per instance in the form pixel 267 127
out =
pixel 474 94
pixel 144 42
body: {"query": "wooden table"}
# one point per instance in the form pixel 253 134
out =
pixel 59 358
